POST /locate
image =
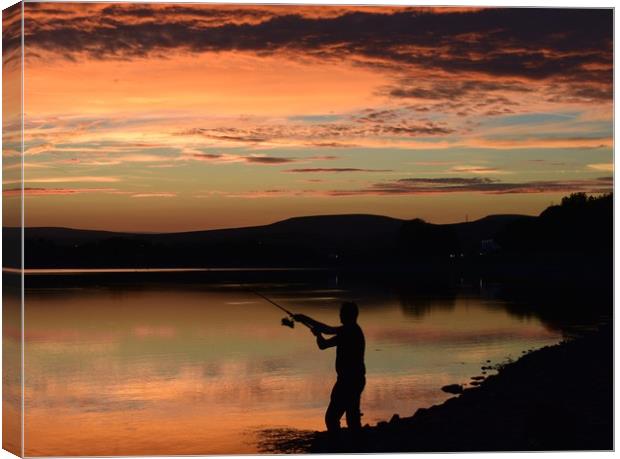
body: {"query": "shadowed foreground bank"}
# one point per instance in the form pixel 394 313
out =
pixel 556 398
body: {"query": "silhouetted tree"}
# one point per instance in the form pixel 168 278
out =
pixel 581 224
pixel 575 199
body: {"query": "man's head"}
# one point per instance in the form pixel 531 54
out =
pixel 348 313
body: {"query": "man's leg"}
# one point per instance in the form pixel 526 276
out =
pixel 336 408
pixel 354 415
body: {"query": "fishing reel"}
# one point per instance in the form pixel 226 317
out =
pixel 286 322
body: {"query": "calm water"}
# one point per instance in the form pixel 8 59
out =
pixel 198 370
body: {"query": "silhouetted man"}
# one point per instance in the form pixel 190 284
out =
pixel 350 344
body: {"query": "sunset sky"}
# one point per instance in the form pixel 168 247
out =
pixel 151 117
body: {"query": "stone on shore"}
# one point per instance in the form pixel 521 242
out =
pixel 453 389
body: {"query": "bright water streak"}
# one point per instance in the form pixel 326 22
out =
pixel 178 370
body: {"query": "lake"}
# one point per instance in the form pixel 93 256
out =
pixel 173 368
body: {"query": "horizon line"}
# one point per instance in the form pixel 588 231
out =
pixel 266 224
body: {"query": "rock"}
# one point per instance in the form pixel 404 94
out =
pixel 453 389
pixel 477 378
pixel 395 418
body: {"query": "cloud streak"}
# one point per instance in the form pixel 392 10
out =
pixel 334 169
pixel 602 167
pixel 330 135
pixel 154 195
pixel 442 185
pixel 227 158
pixel 68 179
pixel 413 186
pixel 30 191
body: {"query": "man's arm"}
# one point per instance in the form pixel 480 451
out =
pixel 315 324
pixel 325 343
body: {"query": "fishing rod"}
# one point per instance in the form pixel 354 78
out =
pixel 285 321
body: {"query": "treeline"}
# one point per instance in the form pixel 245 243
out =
pixel 580 224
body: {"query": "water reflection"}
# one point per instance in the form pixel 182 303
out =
pixel 199 370
pixel 11 363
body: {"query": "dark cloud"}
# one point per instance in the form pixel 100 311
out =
pixel 207 156
pixel 464 98
pixel 224 158
pixel 454 89
pixel 11 34
pixel 332 145
pixel 447 180
pixel 378 116
pixel 533 43
pixel 229 134
pixel 581 93
pixel 419 130
pixel 412 186
pixel 324 134
pixel 269 160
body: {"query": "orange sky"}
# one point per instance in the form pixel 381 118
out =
pixel 178 117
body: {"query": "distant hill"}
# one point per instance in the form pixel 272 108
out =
pixel 320 240
pixel 471 234
pixel 581 225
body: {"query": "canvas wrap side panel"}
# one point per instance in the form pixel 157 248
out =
pixel 12 200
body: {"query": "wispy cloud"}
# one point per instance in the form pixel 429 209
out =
pixel 412 186
pixel 67 179
pixel 477 170
pixel 29 191
pixel 447 185
pixel 268 160
pixel 250 159
pixel 34 191
pixel 154 195
pixel 565 141
pixel 446 181
pixel 333 135
pixel 334 169
pixel 602 167
pixel 275 193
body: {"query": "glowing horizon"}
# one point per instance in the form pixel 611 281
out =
pixel 151 117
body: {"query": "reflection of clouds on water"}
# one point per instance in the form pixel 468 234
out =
pixel 189 370
pixel 93 404
pixel 145 331
pixel 273 365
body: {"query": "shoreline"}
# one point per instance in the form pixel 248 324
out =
pixel 556 398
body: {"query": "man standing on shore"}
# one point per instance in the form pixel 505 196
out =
pixel 350 368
